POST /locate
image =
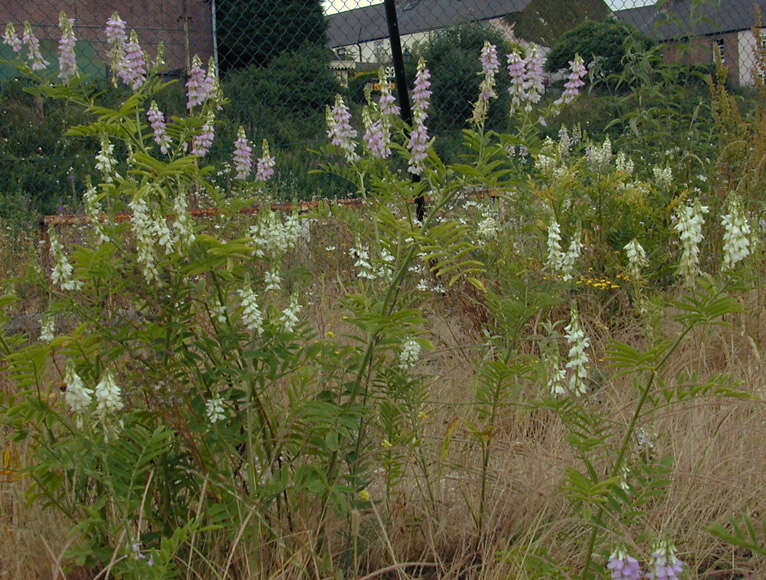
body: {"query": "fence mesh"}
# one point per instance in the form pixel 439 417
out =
pixel 282 61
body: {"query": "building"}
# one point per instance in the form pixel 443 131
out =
pixel 694 32
pixel 361 35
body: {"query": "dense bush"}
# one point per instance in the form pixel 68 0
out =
pixel 284 101
pixel 604 41
pixel 453 58
pixel 359 81
pixel 256 33
pixel 39 166
pixel 501 387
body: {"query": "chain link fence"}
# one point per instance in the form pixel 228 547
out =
pixel 282 61
pixel 184 27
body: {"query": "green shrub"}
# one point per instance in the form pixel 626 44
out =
pixel 284 101
pixel 604 41
pixel 39 164
pixel 256 33
pixel 453 59
pixel 357 83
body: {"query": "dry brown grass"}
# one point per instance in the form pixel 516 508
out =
pixel 718 446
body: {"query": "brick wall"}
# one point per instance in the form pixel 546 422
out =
pixel 699 50
pixel 155 21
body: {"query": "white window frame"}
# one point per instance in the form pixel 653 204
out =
pixel 719 49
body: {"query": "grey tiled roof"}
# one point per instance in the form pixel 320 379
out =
pixel 369 23
pixel 687 18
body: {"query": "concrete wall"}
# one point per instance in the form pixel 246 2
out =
pixel 748 56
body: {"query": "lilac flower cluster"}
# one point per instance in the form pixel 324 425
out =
pixel 339 129
pixel 535 79
pixel 517 71
pixel 243 155
pixel 421 98
pixel 157 121
pixel 265 164
pixel 132 67
pixel 572 87
pixel 33 48
pixel 11 38
pixel 623 566
pixel 201 143
pixel 200 85
pixel 377 119
pixel 527 79
pixel 489 61
pixel 67 60
pixel 489 67
pixel 117 38
pixel 116 33
pixel 387 101
pixel 664 564
pixel 376 137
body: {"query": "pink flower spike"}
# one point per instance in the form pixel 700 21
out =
pixel 67 59
pixel 489 63
pixel 387 103
pixel 534 81
pixel 197 85
pixel 572 87
pixel 11 38
pixel 339 129
pixel 265 165
pixel 201 143
pixel 33 48
pixel 115 30
pixel 211 81
pixel 242 155
pixel 421 92
pixel 157 121
pixel 132 66
pixel 375 136
pixel 418 146
pixel 623 566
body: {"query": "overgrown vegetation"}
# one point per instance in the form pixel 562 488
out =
pixel 255 33
pixel 457 72
pixel 607 42
pixel 555 374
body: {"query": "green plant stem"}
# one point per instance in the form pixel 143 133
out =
pixel 626 442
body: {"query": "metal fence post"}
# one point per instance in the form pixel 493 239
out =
pixel 401 85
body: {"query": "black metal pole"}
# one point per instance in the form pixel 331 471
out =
pixel 401 85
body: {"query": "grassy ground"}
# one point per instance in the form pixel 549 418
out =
pixel 718 446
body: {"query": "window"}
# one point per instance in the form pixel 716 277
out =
pixel 719 50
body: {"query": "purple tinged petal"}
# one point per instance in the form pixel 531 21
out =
pixel 198 87
pixel 201 143
pixel 265 164
pixel 243 153
pixel 67 59
pixel 339 129
pixel 157 121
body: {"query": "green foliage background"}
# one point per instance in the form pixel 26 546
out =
pixel 452 58
pixel 590 40
pixel 255 33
